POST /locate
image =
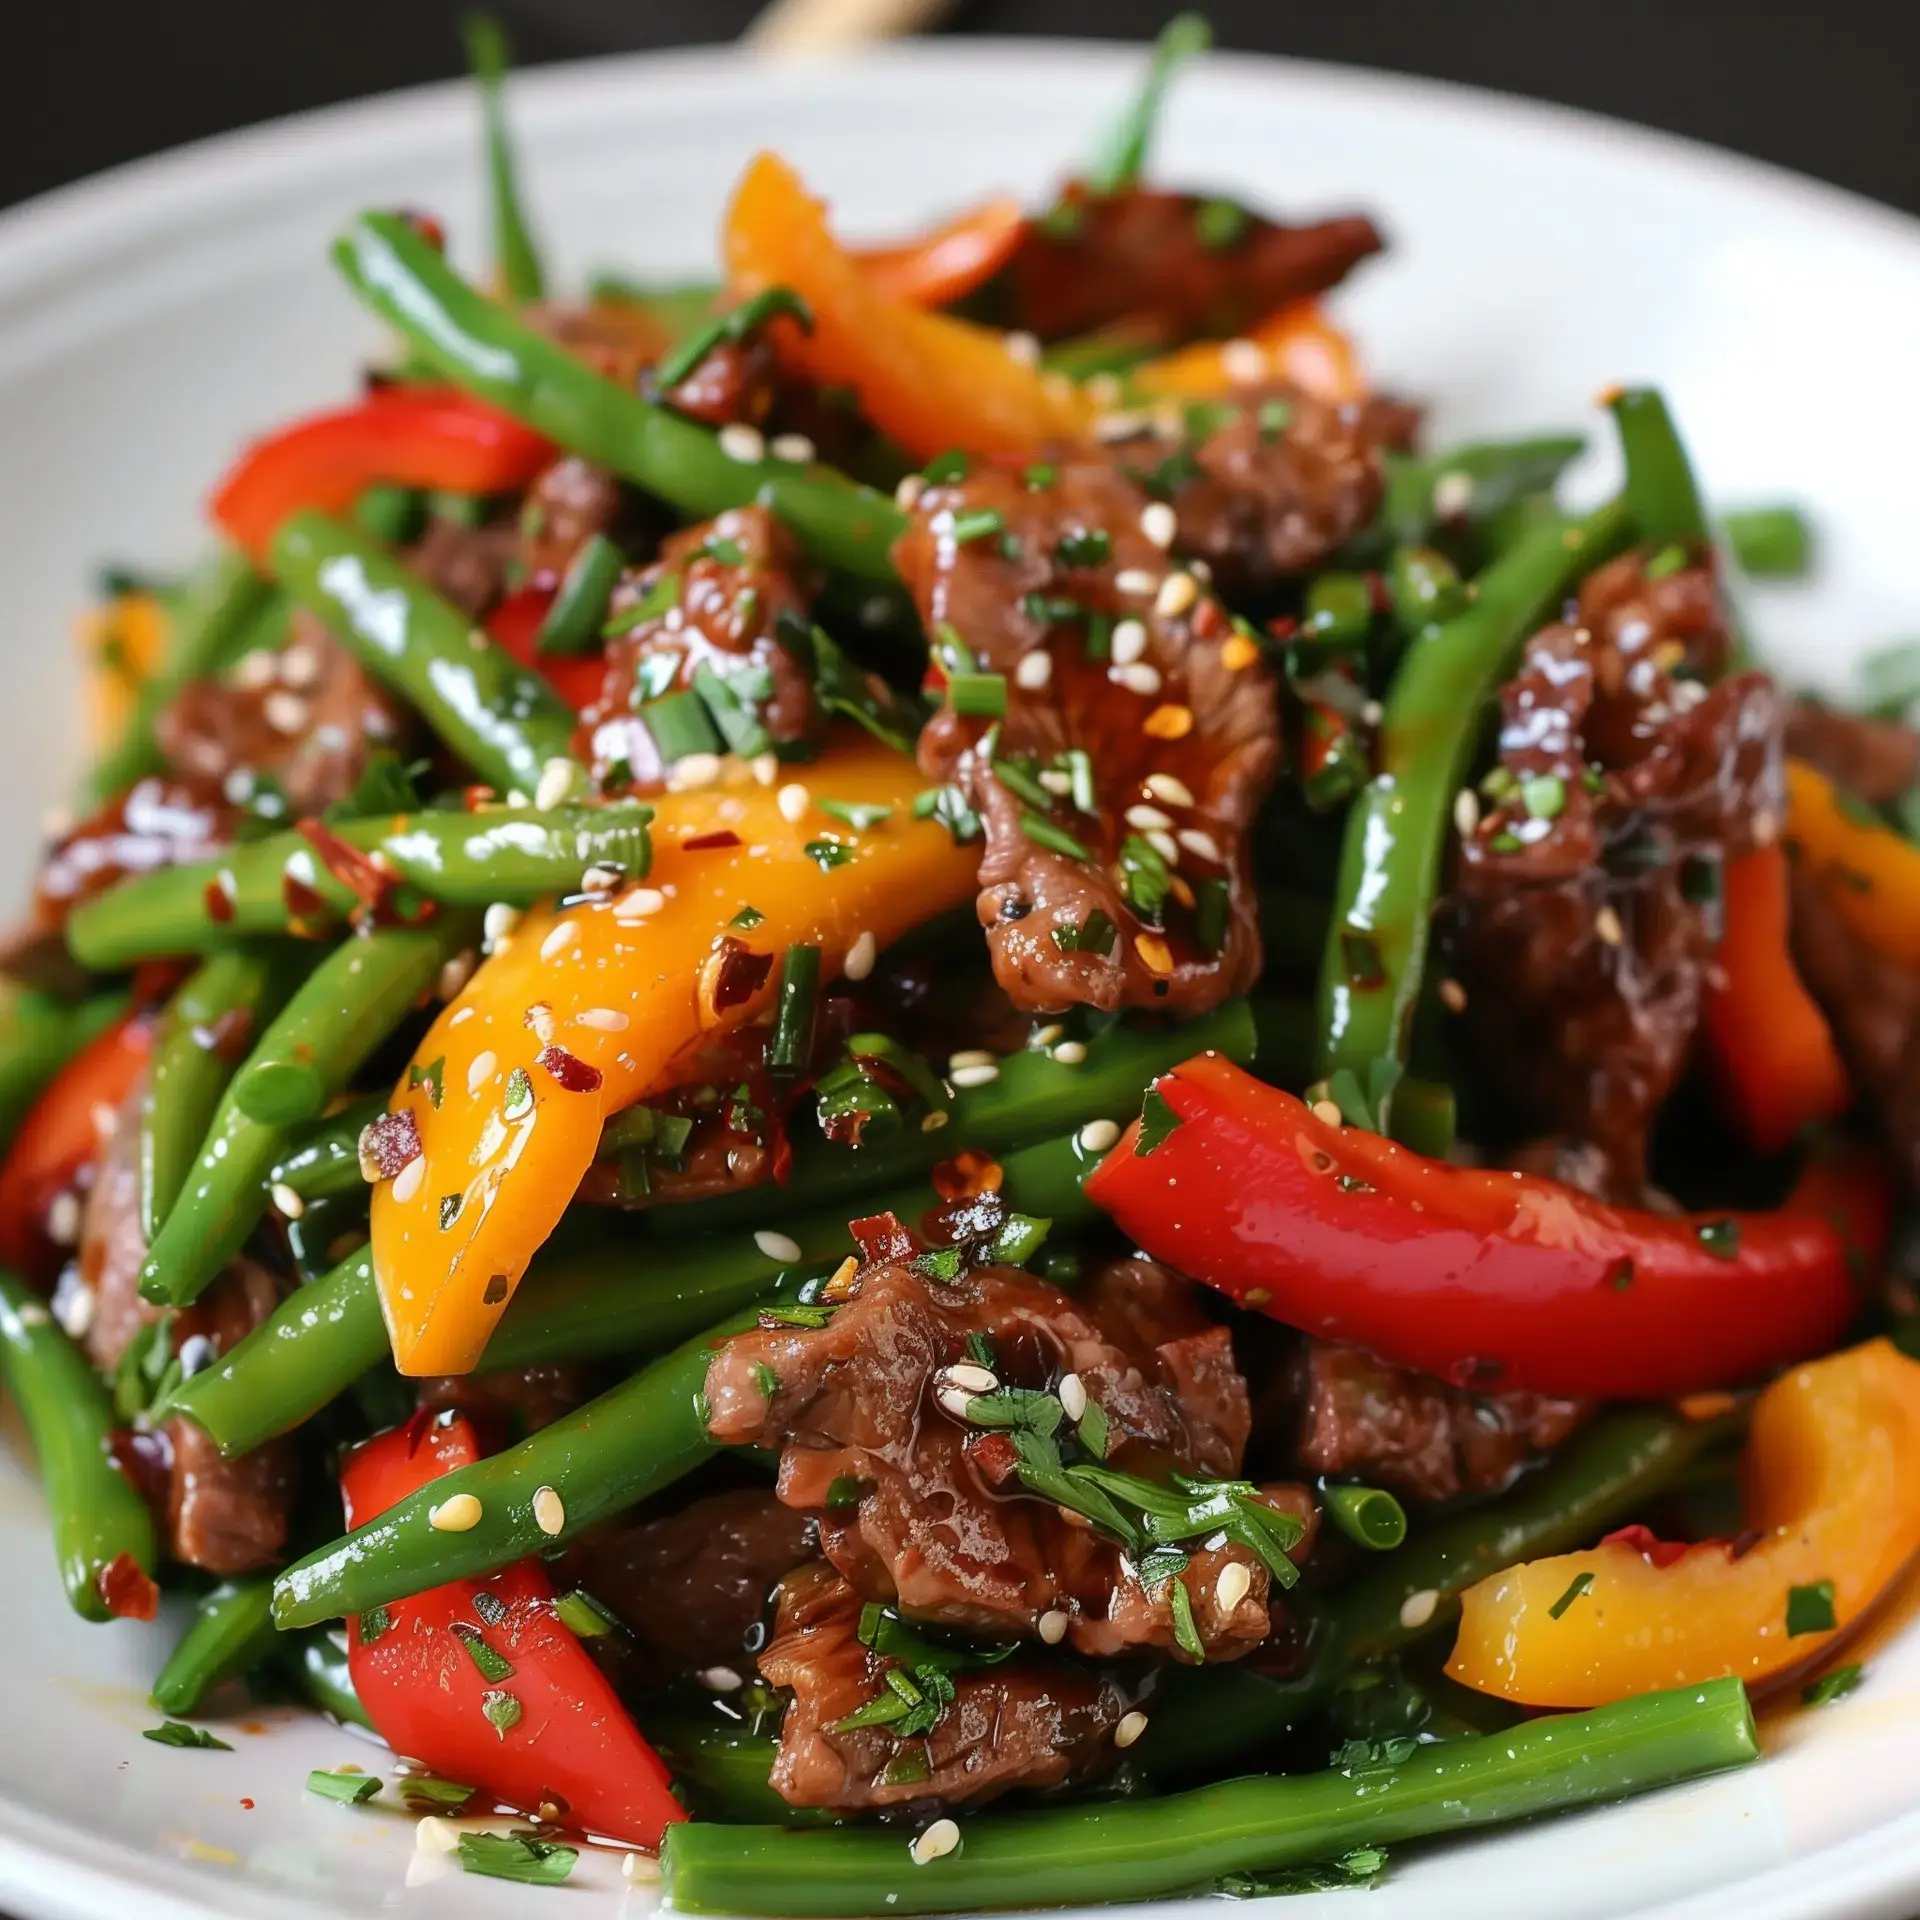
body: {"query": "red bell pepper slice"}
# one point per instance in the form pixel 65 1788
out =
pixel 481 1681
pixel 576 677
pixel 1486 1279
pixel 414 436
pixel 60 1135
pixel 1771 1051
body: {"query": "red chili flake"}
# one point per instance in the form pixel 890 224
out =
pixel 427 227
pixel 391 1142
pixel 472 799
pixel 967 1175
pixel 1477 1376
pixel 302 901
pixel 126 1592
pixel 884 1236
pixel 1283 626
pixel 1648 1545
pixel 740 975
pixel 373 883
pixel 246 1804
pixel 217 900
pixel 782 1159
pixel 1209 621
pixel 574 1075
pixel 993 1457
pixel 708 842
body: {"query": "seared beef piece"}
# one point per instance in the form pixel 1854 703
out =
pixel 307 717
pixel 1267 503
pixel 1031 1722
pixel 1876 759
pixel 568 503
pixel 1179 721
pixel 693 1586
pixel 615 338
pixel 1874 1005
pixel 1414 1434
pixel 505 1407
pixel 1583 922
pixel 736 575
pixel 733 382
pixel 162 821
pixel 1141 255
pixel 942 1522
pixel 226 1516
pixel 469 566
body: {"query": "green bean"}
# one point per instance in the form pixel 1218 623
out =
pixel 1134 1849
pixel 1771 543
pixel 515 258
pixel 579 609
pixel 1397 830
pixel 324 1162
pixel 1430 491
pixel 38 1036
pixel 1661 493
pixel 1426 588
pixel 225 612
pixel 283 884
pixel 675 310
pixel 232 1630
pixel 318 1667
pixel 227 998
pixel 100 1524
pixel 1211 1717
pixel 477 344
pixel 1122 156
pixel 1371 1516
pixel 345 1008
pixel 723 1766
pixel 504 720
pixel 1033 1095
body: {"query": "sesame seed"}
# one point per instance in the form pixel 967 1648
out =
pixel 1139 678
pixel 1165 786
pixel 1023 348
pixel 955 1400
pixel 1053 1626
pixel 972 1057
pixel 860 957
pixel 934 1121
pixel 1119 426
pixel 637 902
pixel 1073 1396
pixel 63 1218
pixel 906 496
pixel 556 782
pixel 482 1069
pixel 1233 1586
pixel 1418 1608
pixel 1453 996
pixel 738 441
pixel 299 667
pixel 57 822
pixel 939 1840
pixel 1034 671
pixel 33 1314
pixel 1244 362
pixel 1371 713
pixel 1164 844
pixel 793 800
pixel 974 1076
pixel 1129 642
pixel 407 1182
pixel 497 924
pixel 1239 653
pixel 1131 1727
pixel 460 1513
pixel 1466 812
pixel 255 670
pixel 1144 817
pixel 1055 781
pixel 1047 1035
pixel 1155 955
pixel 75 1306
pixel 795 447
pixel 777 1246
pixel 970 1378
pixel 549 1511
pixel 559 938
pixel 721 1679
pixel 1097 1136
pixel 1070 1053
pixel 692 771
pixel 455 974
pixel 1453 496
pixel 1326 1113
pixel 1171 722
pixel 286 1202
pixel 1766 828
pixel 285 712
pixel 602 1020
pixel 1201 844
pixel 1136 580
pixel 1606 923
pixel 1178 592
pixel 1159 523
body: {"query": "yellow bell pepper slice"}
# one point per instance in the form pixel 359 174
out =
pixel 1869 874
pixel 584 1010
pixel 1834 1498
pixel 121 645
pixel 1298 345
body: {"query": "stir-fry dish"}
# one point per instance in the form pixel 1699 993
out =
pixel 907 1080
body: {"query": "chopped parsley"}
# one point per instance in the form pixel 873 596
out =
pixel 353 1789
pixel 1579 1584
pixel 1832 1686
pixel 176 1733
pixel 423 1793
pixel 519 1094
pixel 1095 934
pixel 1157 1122
pixel 493 1664
pixel 502 1711
pixel 520 1857
pixel 827 853
pixel 747 919
pixel 1810 1609
pixel 1084 547
pixel 1721 1238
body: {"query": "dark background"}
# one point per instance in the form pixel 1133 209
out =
pixel 1825 86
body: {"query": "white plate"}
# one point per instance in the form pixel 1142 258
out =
pixel 150 321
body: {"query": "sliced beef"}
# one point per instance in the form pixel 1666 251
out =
pixel 693 1586
pixel 1414 1434
pixel 1031 1722
pixel 1876 759
pixel 1584 917
pixel 506 1406
pixel 919 1503
pixel 716 596
pixel 567 505
pixel 617 338
pixel 1119 664
pixel 1155 257
pixel 734 381
pixel 473 567
pixel 162 821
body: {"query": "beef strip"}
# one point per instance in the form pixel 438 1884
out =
pixel 1414 1434
pixel 506 1406
pixel 1141 255
pixel 162 821
pixel 1176 717
pixel 736 576
pixel 1876 759
pixel 618 339
pixel 693 1586
pixel 941 1522
pixel 1032 1722
pixel 472 567
pixel 1583 923
pixel 568 504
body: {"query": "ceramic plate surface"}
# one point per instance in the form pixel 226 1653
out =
pixel 152 320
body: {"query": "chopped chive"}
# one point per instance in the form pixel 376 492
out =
pixel 1721 1238
pixel 859 815
pixel 1667 562
pixel 1084 547
pixel 1018 777
pixel 1211 902
pixel 747 918
pixel 680 725
pixel 579 609
pixel 981 696
pixel 658 597
pixel 176 1733
pixel 1044 833
pixel 1810 1609
pixel 1098 644
pixel 1040 476
pixel 738 324
pixel 1019 1240
pixel 354 1789
pixel 517 1857
pixel 422 1793
pixel 791 1043
pixel 1832 1686
pixel 1369 1515
pixel 493 1664
pixel 1544 796
pixel 737 721
pixel 1220 224
pixel 1273 418
pixel 582 1615
pixel 977 525
pixel 1771 543
pixel 827 853
pixel 945 468
pixel 1576 1587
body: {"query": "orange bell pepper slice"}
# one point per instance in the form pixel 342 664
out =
pixel 1870 875
pixel 952 260
pixel 1771 1049
pixel 121 647
pixel 588 1008
pixel 1298 344
pixel 926 380
pixel 1834 1500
